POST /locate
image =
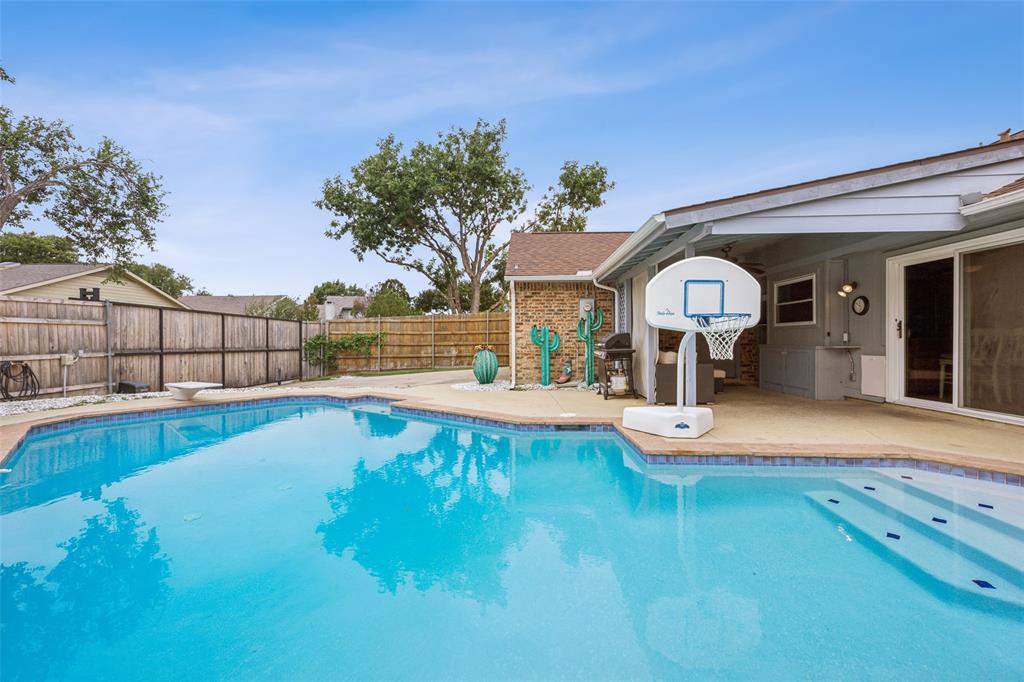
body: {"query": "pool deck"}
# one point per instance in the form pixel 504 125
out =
pixel 747 421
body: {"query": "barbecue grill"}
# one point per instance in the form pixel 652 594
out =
pixel 614 356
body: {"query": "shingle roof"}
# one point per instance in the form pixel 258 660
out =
pixel 1004 139
pixel 1014 186
pixel 17 276
pixel 235 305
pixel 559 254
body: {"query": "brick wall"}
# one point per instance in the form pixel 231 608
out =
pixel 555 304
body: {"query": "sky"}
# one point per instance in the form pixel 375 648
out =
pixel 245 109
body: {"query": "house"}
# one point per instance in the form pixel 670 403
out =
pixel 230 305
pixel 894 283
pixel 80 281
pixel 342 307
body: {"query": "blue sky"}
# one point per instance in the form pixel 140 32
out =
pixel 245 108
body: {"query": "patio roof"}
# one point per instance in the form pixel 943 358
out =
pixel 728 219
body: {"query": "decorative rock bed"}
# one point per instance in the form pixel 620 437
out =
pixel 11 408
pixel 506 385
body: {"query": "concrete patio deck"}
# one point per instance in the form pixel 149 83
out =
pixel 747 421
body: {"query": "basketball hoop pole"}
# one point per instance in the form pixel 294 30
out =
pixel 686 371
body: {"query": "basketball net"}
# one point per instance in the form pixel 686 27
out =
pixel 721 332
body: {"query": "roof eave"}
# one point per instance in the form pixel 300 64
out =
pixel 636 241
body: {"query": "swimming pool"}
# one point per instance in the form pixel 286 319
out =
pixel 310 540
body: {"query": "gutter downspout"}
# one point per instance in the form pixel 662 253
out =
pixel 512 333
pixel 615 293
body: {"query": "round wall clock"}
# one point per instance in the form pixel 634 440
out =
pixel 860 305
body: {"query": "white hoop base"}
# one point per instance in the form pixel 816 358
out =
pixel 669 421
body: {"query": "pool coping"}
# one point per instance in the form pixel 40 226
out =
pixel 651 449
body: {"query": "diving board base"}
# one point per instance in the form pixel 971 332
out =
pixel 669 421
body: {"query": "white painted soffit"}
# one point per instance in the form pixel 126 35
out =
pixel 653 227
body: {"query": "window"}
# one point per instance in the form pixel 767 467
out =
pixel 794 301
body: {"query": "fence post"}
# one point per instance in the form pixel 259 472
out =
pixel 302 329
pixel 433 344
pixel 324 330
pixel 487 327
pixel 378 343
pixel 107 308
pixel 223 345
pixel 160 357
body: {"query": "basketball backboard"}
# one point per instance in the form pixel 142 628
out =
pixel 683 293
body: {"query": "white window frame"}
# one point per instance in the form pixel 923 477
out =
pixel 813 300
pixel 895 355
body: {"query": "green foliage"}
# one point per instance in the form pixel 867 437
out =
pixel 390 285
pixel 433 300
pixel 389 303
pixel 284 308
pixel 203 292
pixel 100 197
pixel 29 247
pixel 449 198
pixel 335 288
pixel 320 348
pixel 6 77
pixel 163 277
pixel 564 207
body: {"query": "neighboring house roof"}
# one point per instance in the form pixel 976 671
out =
pixel 345 302
pixel 233 305
pixel 18 277
pixel 559 255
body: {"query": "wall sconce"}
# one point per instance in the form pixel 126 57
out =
pixel 847 289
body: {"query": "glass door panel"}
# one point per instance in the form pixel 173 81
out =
pixel 993 313
pixel 928 330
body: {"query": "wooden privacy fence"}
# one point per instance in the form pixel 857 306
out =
pixel 120 342
pixel 422 341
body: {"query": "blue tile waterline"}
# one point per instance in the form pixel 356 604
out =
pixel 409 547
pixel 716 460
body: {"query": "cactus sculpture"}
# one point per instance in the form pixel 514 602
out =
pixel 586 328
pixel 549 342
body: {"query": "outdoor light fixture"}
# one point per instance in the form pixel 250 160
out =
pixel 847 289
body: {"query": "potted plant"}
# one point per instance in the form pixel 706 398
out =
pixel 485 364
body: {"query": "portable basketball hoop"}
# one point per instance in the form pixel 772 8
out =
pixel 701 295
pixel 721 332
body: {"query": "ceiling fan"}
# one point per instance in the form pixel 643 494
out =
pixel 750 266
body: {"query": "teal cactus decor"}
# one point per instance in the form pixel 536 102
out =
pixel 549 342
pixel 586 328
pixel 485 364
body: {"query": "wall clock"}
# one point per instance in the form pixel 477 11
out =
pixel 860 305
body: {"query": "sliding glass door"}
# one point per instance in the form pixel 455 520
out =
pixel 928 330
pixel 955 335
pixel 993 323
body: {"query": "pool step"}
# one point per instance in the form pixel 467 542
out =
pixel 935 566
pixel 978 539
pixel 997 503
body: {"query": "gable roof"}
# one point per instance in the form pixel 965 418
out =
pixel 16 277
pixel 1009 140
pixel 232 305
pixel 559 255
pixel 1014 186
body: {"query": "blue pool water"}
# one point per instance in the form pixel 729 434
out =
pixel 313 541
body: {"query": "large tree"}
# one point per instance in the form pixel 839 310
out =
pixel 163 277
pixel 100 197
pixel 436 209
pixel 29 247
pixel 335 288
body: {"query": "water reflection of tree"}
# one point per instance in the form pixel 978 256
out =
pixel 112 573
pixel 438 516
